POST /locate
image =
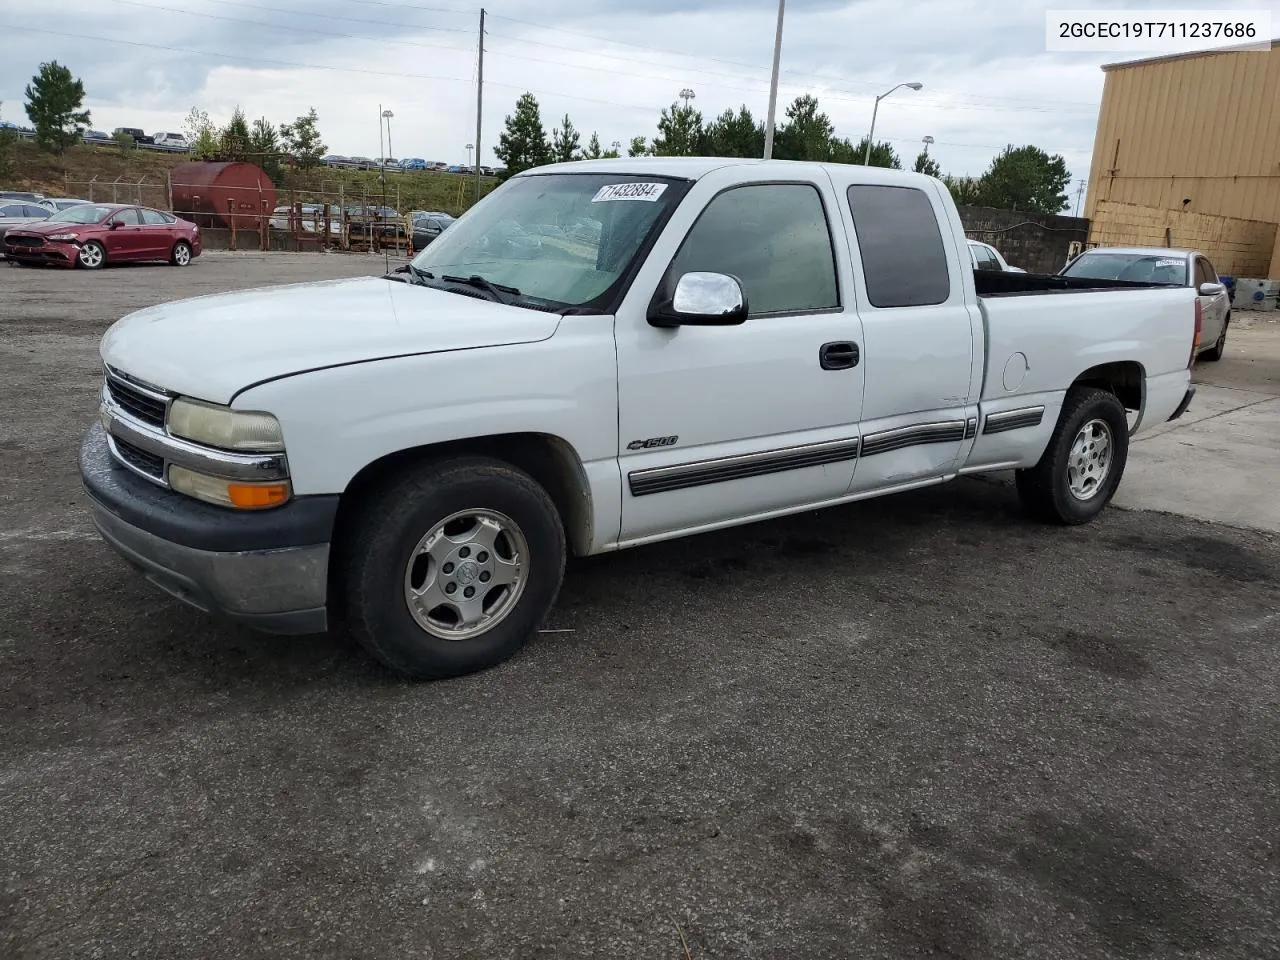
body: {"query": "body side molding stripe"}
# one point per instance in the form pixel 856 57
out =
pixel 886 441
pixel 1013 419
pixel 681 476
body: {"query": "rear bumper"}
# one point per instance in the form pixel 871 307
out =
pixel 1186 402
pixel 267 570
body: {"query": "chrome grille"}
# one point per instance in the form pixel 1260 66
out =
pixel 146 406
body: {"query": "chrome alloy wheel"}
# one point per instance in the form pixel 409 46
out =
pixel 182 254
pixel 466 575
pixel 1089 461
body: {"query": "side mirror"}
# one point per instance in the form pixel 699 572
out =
pixel 116 224
pixel 1211 289
pixel 702 300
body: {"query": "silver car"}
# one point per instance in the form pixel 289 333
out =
pixel 18 213
pixel 1184 268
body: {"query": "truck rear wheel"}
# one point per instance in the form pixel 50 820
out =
pixel 1081 468
pixel 452 567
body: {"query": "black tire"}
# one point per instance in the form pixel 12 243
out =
pixel 87 261
pixel 1216 351
pixel 181 254
pixel 1045 489
pixel 389 525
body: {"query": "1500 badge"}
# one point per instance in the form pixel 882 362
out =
pixel 651 443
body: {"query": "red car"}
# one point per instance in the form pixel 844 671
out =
pixel 91 235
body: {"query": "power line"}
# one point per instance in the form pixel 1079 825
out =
pixel 320 66
pixel 833 94
pixel 738 63
pixel 329 16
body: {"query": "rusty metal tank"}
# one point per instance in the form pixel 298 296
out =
pixel 218 194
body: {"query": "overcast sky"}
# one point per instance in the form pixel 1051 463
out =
pixel 987 78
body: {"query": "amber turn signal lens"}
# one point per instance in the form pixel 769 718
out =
pixel 252 496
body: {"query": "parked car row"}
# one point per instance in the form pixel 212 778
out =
pixel 409 163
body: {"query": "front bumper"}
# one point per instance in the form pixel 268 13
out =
pixel 60 253
pixel 266 569
pixel 1186 402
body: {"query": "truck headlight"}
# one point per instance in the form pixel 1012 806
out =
pixel 228 493
pixel 227 429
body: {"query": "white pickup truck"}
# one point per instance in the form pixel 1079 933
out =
pixel 599 355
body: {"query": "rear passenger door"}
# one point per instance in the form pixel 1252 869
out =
pixel 921 336
pixel 159 234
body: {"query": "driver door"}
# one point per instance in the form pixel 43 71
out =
pixel 722 423
pixel 125 242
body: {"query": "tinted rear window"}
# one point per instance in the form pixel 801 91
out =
pixel 903 259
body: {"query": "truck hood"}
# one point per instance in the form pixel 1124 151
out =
pixel 213 347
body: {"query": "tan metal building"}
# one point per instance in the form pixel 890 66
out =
pixel 1187 154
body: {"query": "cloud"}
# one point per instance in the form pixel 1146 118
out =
pixel 987 78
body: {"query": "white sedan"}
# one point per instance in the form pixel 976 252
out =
pixel 987 257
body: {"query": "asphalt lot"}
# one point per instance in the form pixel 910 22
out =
pixel 921 726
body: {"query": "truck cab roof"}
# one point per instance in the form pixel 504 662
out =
pixel 694 168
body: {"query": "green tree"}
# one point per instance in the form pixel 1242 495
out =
pixel 593 151
pixel 565 141
pixel 680 132
pixel 927 165
pixel 1026 178
pixel 233 140
pixel 201 136
pixel 965 191
pixel 523 143
pixel 54 102
pixel 638 147
pixel 8 154
pixel 882 155
pixel 612 153
pixel 264 149
pixel 301 140
pixel 125 143
pixel 735 135
pixel 807 133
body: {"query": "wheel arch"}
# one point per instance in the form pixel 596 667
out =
pixel 1125 378
pixel 550 460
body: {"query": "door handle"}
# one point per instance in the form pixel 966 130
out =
pixel 838 355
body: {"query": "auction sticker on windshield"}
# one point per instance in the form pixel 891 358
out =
pixel 629 191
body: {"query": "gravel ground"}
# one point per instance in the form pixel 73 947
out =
pixel 922 726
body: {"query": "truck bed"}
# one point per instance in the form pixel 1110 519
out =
pixel 990 283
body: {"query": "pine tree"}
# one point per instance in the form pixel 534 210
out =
pixel 523 144
pixel 593 151
pixel 302 140
pixel 564 141
pixel 54 101
pixel 680 132
pixel 926 164
pixel 234 138
pixel 807 134
pixel 264 147
pixel 639 147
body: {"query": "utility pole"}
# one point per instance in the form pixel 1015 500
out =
pixel 1079 194
pixel 479 100
pixel 773 85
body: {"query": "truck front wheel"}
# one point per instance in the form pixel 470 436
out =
pixel 1081 467
pixel 452 567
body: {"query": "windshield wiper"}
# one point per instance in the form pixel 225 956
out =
pixel 495 290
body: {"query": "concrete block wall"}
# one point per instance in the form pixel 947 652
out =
pixel 1036 242
pixel 1239 248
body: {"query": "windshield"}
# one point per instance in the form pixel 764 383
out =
pixel 81 213
pixel 1145 267
pixel 567 239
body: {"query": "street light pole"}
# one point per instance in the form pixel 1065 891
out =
pixel 866 159
pixel 773 84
